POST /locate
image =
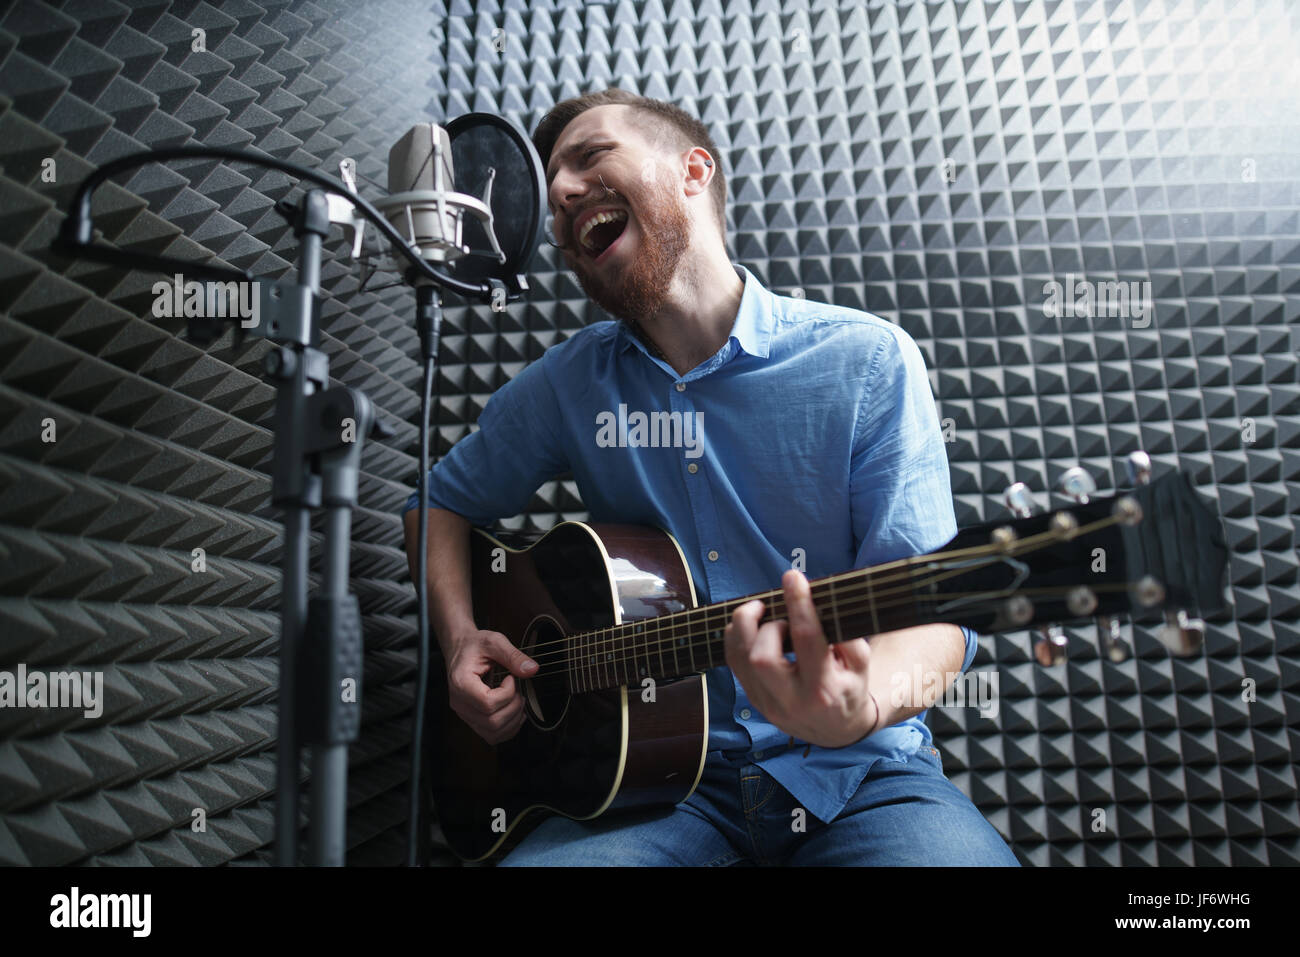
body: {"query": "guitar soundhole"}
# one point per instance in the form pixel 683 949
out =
pixel 546 696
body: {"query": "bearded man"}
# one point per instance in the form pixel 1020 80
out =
pixel 819 439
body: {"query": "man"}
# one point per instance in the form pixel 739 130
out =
pixel 818 447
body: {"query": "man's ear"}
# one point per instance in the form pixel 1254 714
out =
pixel 700 167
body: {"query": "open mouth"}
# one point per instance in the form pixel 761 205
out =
pixel 600 232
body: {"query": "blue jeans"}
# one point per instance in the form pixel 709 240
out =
pixel 904 813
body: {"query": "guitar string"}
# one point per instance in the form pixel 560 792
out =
pixel 607 660
pixel 720 615
pixel 700 619
pixel 871 588
pixel 661 636
pixel 657 638
pixel 654 640
pixel 1030 544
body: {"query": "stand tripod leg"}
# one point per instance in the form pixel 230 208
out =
pixel 293 607
pixel 329 777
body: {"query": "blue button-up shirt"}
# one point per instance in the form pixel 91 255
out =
pixel 811 437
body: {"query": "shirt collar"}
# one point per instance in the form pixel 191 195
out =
pixel 752 329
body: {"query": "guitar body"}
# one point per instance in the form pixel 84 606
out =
pixel 580 755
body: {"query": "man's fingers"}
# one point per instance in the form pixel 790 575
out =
pixel 855 655
pixel 739 635
pixel 502 651
pixel 495 714
pixel 811 649
pixel 753 645
pixel 746 619
pixel 480 696
pixel 756 656
pixel 507 716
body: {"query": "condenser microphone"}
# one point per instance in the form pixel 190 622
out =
pixel 422 203
pixel 468 196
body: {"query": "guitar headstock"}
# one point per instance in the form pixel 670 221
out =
pixel 1157 547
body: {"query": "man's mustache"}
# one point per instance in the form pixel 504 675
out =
pixel 609 191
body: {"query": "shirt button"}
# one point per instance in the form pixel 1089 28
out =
pixel 681 387
pixel 745 714
pixel 713 556
pixel 692 468
pixel 758 755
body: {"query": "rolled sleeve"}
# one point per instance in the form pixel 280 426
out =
pixel 493 472
pixel 901 494
pixel 972 646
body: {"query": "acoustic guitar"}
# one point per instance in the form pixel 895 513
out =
pixel 618 712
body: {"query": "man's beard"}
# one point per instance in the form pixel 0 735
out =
pixel 638 292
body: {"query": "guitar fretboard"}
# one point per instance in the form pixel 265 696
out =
pixel 863 602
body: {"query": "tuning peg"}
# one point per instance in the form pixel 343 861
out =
pixel 1049 646
pixel 1004 536
pixel 1077 484
pixel 1148 592
pixel 1081 601
pixel 1018 501
pixel 1139 468
pixel 1063 523
pixel 1126 510
pixel 1018 610
pixel 1181 635
pixel 1110 638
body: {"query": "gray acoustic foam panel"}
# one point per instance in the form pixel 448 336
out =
pixel 936 164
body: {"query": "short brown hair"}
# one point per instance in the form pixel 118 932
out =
pixel 684 130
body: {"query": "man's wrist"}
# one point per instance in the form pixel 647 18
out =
pixel 450 630
pixel 875 721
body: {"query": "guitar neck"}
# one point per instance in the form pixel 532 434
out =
pixel 1157 547
pixel 866 601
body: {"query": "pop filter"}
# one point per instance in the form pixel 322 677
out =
pixel 481 142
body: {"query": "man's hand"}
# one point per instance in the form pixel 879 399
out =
pixel 495 714
pixel 821 697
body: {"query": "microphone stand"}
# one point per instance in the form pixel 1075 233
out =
pixel 319 433
pixel 321 689
pixel 316 463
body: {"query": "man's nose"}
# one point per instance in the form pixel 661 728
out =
pixel 567 189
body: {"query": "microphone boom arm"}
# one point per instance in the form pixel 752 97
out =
pixel 76 235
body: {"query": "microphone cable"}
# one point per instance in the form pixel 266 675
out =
pixel 428 322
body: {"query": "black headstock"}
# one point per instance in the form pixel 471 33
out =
pixel 1158 547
